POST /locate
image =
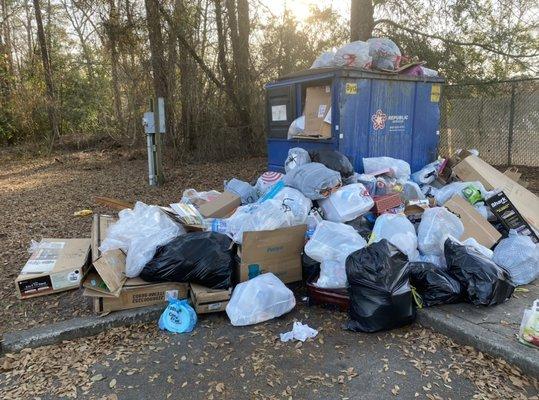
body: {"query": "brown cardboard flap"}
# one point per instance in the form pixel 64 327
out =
pixel 472 168
pixel 220 207
pixel 278 243
pixel 204 295
pixel 317 106
pixel 110 268
pixel 100 226
pixel 475 225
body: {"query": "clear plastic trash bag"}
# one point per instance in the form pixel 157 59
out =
pixel 347 203
pixel 294 200
pixel 324 60
pixel 259 299
pixel 385 53
pixel 333 241
pixel 314 180
pixel 297 127
pixel 436 225
pixel 375 164
pixel 247 192
pixel 445 193
pixel 296 157
pixel 398 231
pixel 332 275
pixel 139 232
pixel 519 256
pixel 354 54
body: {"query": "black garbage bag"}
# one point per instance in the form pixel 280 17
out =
pixel 334 160
pixel 310 268
pixel 434 285
pixel 362 226
pixel 206 258
pixel 483 282
pixel 379 288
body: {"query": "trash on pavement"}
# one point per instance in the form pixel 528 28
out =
pixel 296 157
pixel 100 227
pixel 259 299
pixel 300 332
pixel 246 192
pixel 398 231
pixel 380 292
pixel 483 282
pixel 314 180
pixel 138 232
pixel 346 203
pixel 529 327
pixel 178 317
pixel 54 266
pixel 206 300
pixel 277 251
pixel 519 256
pixel 436 225
pixel 434 285
pixel 206 258
pixel 221 206
pixel 475 225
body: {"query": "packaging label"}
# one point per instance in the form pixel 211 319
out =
pixel 322 110
pixel 214 306
pixel 66 279
pixel 278 113
pixel 44 258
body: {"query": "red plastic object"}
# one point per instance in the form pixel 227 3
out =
pixel 386 202
pixel 335 297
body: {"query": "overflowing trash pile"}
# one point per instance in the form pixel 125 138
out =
pixel 380 242
pixel 378 54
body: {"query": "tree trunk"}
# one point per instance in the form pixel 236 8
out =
pixel 159 73
pixel 51 103
pixel 113 44
pixel 361 20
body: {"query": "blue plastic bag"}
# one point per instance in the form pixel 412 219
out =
pixel 178 317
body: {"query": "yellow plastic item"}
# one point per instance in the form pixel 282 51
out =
pixel 83 213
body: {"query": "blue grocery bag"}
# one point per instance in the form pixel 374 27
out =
pixel 178 317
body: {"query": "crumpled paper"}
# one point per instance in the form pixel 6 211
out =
pixel 299 332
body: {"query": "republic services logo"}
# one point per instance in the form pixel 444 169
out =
pixel 379 120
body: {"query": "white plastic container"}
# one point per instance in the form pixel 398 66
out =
pixel 347 203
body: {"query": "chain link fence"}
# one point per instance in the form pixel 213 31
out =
pixel 500 119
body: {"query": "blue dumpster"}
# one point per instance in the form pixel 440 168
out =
pixel 373 114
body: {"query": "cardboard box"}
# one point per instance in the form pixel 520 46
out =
pixel 136 293
pixel 475 225
pixel 107 274
pixel 472 168
pixel 220 207
pixel 509 216
pixel 57 265
pixel 100 226
pixel 317 107
pixel 277 251
pixel 514 174
pixel 207 300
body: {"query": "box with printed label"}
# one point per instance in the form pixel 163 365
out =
pixel 207 300
pixel 318 112
pixel 54 266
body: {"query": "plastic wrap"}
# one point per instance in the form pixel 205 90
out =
pixel 333 241
pixel 519 256
pixel 191 196
pixel 435 227
pixel 434 285
pixel 324 60
pixel 138 232
pixel 314 180
pixel 398 230
pixel 300 332
pixel 411 191
pixel 296 202
pixel 376 164
pixel 259 299
pixel 296 157
pixel 529 327
pixel 355 54
pixel 297 127
pixel 380 293
pixel 205 258
pixel 247 192
pixel 347 203
pixel 445 193
pixel 483 282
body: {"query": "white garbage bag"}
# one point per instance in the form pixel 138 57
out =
pixel 400 167
pixel 333 241
pixel 519 256
pixel 298 204
pixel 347 203
pixel 297 127
pixel 240 188
pixel 385 53
pixel 300 332
pixel 478 246
pixel 259 299
pixel 324 60
pixel 411 191
pixel 332 275
pixel 445 193
pixel 138 232
pixel 355 55
pixel 314 180
pixel 296 157
pixel 435 227
pixel 438 261
pixel 398 231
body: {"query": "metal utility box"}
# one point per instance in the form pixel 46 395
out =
pixel 372 114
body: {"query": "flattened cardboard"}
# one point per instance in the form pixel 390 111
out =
pixel 55 269
pixel 514 174
pixel 107 274
pixel 207 300
pixel 475 225
pixel 472 168
pixel 317 106
pixel 277 251
pixel 220 207
pixel 135 295
pixel 100 226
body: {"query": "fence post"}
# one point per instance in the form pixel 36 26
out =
pixel 511 125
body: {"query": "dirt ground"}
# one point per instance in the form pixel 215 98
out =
pixel 38 197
